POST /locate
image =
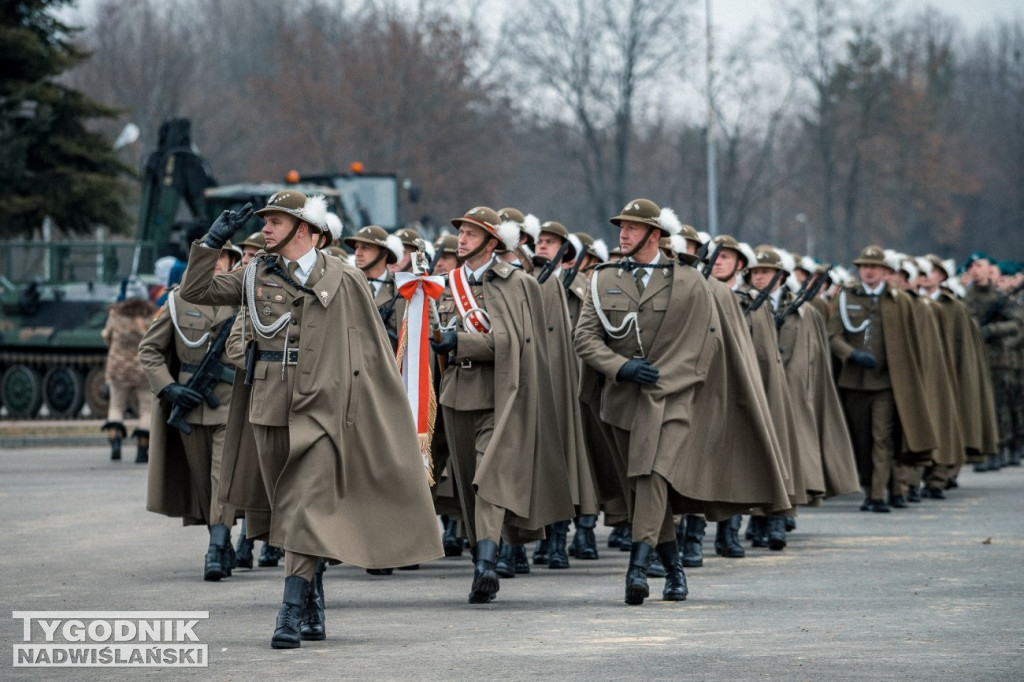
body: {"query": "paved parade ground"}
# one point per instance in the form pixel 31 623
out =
pixel 933 592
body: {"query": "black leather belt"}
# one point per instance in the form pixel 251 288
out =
pixel 227 373
pixel 468 364
pixel 277 356
pixel 191 369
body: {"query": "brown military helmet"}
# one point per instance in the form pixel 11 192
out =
pixel 559 230
pixel 311 210
pixel 256 240
pixel 766 256
pixel 640 211
pixel 447 243
pixel 375 235
pixel 871 255
pixel 485 218
pixel 408 237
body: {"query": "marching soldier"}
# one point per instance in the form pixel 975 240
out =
pixel 410 239
pixel 872 333
pixel 972 382
pixel 374 251
pixel 172 351
pixel 554 249
pixel 766 530
pixel 328 412
pixel 657 334
pixel 827 466
pixel 511 477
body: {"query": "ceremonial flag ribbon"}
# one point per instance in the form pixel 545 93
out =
pixel 414 356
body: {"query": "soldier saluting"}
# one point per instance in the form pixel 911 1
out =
pixel 328 438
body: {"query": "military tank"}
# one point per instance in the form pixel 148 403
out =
pixel 54 295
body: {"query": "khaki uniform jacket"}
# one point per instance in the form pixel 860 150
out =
pixel 523 471
pixel 170 488
pixel 903 357
pixel 565 377
pixel 385 298
pixel 704 425
pixel 975 396
pixel 941 375
pixel 829 466
pixel 353 488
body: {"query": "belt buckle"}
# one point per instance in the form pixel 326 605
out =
pixel 291 358
pixel 466 364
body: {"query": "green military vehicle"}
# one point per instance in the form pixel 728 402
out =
pixel 54 295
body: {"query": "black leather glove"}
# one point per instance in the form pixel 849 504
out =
pixel 448 343
pixel 181 395
pixel 986 332
pixel 226 224
pixel 639 371
pixel 864 359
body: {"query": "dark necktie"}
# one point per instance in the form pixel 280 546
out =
pixel 292 268
pixel 638 277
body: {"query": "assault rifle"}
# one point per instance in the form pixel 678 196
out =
pixel 209 372
pixel 763 295
pixel 386 310
pixel 711 261
pixel 805 294
pixel 550 267
pixel 996 309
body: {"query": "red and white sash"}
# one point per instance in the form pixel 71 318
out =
pixel 414 358
pixel 474 318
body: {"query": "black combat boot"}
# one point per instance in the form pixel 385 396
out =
pixel 1014 456
pixel 540 550
pixel 243 551
pixel 615 537
pixel 269 556
pixel 229 560
pixel 675 579
pixel 636 575
pixel 214 568
pixel 727 541
pixel 141 437
pixel 584 540
pixel 776 533
pixel 693 537
pixel 485 578
pixel 522 563
pixel 557 556
pixel 655 569
pixel 626 539
pixel 312 627
pixel 757 527
pixel 790 524
pixel 289 618
pixel 450 540
pixel 116 433
pixel 505 567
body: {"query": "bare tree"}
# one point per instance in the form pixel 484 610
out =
pixel 592 63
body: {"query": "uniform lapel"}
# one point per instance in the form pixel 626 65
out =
pixel 659 279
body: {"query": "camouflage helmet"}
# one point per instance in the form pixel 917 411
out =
pixel 311 210
pixel 374 235
pixel 255 240
pixel 871 255
pixel 484 217
pixel 640 211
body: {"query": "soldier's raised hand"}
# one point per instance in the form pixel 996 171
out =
pixel 226 224
pixel 639 371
